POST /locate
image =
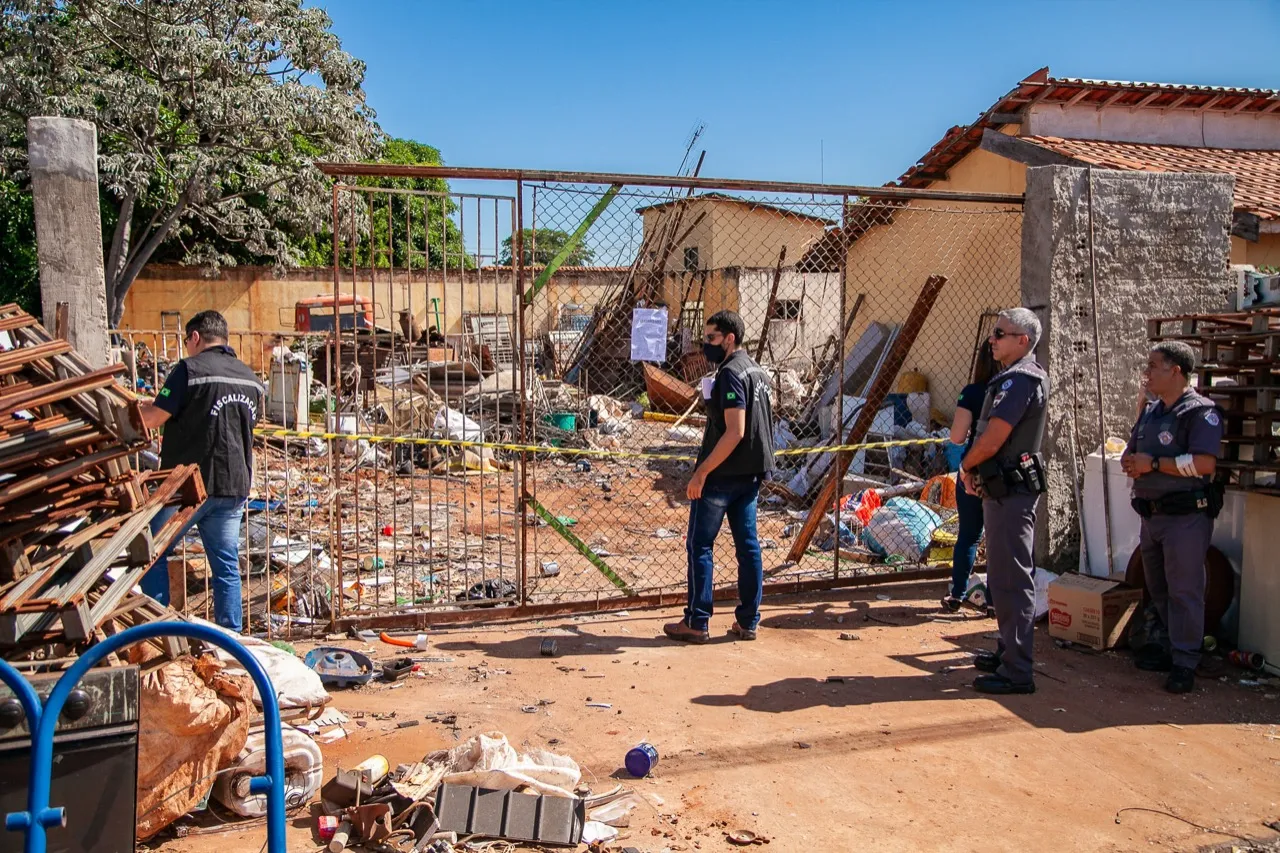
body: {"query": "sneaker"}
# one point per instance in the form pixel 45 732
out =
pixel 1182 679
pixel 998 685
pixel 682 632
pixel 742 633
pixel 986 662
pixel 951 604
pixel 1153 659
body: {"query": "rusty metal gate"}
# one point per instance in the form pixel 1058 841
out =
pixel 508 384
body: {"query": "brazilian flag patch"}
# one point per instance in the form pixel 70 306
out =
pixel 730 395
pixel 164 392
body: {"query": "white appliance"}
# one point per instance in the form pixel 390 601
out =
pixel 1260 580
pixel 289 393
pixel 1125 523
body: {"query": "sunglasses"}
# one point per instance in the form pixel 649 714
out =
pixel 1001 334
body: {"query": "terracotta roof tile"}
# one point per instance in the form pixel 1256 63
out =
pixel 1257 173
pixel 1040 87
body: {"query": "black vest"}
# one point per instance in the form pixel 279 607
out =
pixel 214 429
pixel 1167 434
pixel 1028 432
pixel 754 454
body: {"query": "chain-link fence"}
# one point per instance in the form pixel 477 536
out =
pixel 520 427
pixel 824 285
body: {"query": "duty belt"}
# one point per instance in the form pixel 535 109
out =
pixel 1207 501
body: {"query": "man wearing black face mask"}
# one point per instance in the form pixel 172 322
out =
pixel 736 454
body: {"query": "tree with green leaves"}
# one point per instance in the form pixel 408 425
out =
pixel 418 226
pixel 19 273
pixel 210 114
pixel 540 245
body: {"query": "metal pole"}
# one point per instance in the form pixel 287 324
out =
pixel 389 170
pixel 1097 363
pixel 522 406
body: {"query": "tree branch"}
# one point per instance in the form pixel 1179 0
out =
pixel 152 242
pixel 120 238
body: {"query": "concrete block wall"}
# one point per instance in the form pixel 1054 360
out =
pixel 1161 246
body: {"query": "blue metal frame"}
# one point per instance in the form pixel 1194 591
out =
pixel 39 816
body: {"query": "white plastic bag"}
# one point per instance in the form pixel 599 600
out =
pixel 489 761
pixel 457 426
pixel 295 683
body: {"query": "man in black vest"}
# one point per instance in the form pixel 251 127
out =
pixel 1172 457
pixel 1005 467
pixel 208 407
pixel 736 454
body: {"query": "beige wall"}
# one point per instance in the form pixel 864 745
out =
pixel 978 248
pixel 753 237
pixel 1264 253
pixel 256 298
pixel 731 234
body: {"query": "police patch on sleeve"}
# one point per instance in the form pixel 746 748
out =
pixel 1166 438
pixel 999 398
pixel 1211 418
pixel 1008 383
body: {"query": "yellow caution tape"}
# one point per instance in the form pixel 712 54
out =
pixel 273 432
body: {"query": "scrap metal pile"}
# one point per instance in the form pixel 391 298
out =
pixel 76 532
pixel 1240 371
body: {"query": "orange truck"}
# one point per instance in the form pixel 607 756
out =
pixel 317 313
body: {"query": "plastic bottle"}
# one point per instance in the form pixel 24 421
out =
pixel 303 772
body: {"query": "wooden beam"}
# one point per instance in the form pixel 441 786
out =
pixel 769 307
pixel 1005 118
pixel 1148 99
pixel 1078 96
pixel 1021 151
pixel 879 390
pixel 1209 103
pixel 1114 97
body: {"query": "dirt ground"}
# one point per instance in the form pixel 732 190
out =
pixel 819 743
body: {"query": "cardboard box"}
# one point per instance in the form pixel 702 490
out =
pixel 1094 612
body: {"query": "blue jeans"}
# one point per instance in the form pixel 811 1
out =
pixel 737 500
pixel 970 531
pixel 218 520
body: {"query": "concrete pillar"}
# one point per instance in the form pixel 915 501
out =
pixel 1161 247
pixel 63 154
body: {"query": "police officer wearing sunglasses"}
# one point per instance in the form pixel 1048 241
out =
pixel 1004 467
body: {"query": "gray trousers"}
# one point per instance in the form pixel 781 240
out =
pixel 1011 530
pixel 1173 551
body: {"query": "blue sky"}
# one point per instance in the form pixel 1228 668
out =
pixel 848 92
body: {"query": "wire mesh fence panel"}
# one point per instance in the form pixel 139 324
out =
pixel 824 286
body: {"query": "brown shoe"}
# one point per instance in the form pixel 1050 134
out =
pixel 682 632
pixel 742 633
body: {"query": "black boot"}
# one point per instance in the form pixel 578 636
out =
pixel 1182 679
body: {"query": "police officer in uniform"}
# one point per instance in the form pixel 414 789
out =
pixel 736 454
pixel 208 407
pixel 1005 467
pixel 1172 457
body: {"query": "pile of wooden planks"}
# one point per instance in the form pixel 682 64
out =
pixel 1240 371
pixel 75 516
